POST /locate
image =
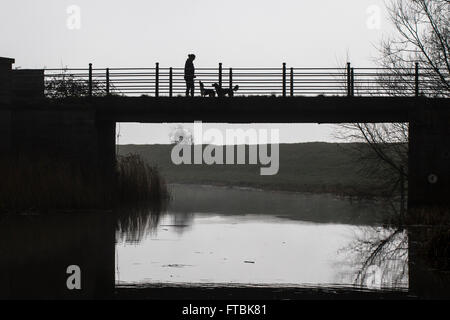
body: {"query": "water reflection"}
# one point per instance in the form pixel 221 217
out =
pixel 227 235
pixel 320 208
pixel 248 249
pixel 213 235
pixel 380 256
pixel 134 223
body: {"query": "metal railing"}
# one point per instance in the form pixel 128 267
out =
pixel 283 81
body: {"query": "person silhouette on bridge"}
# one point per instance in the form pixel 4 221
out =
pixel 189 75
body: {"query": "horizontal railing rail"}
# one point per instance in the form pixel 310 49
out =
pixel 283 81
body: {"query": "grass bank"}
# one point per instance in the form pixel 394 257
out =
pixel 305 167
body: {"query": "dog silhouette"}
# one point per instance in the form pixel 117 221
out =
pixel 206 92
pixel 222 92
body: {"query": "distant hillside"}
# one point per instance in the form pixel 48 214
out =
pixel 306 167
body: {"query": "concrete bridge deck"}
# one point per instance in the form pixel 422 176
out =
pixel 243 109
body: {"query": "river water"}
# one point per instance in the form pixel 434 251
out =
pixel 265 242
pixel 220 235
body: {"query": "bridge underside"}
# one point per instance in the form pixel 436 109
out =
pixel 255 109
pixel 85 128
pixel 258 109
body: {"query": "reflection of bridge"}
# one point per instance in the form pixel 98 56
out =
pixel 85 127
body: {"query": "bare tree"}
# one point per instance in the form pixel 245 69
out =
pixel 421 35
pixel 382 153
pixel 180 134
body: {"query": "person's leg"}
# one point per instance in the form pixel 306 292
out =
pixel 187 87
pixel 192 88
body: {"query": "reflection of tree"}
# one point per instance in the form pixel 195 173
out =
pixel 384 248
pixel 134 223
pixel 182 220
pixel 141 195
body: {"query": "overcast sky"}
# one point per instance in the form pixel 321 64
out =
pixel 238 33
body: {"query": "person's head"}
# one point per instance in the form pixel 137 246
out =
pixel 191 56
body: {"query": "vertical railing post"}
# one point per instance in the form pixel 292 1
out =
pixel 220 74
pixel 170 82
pixel 349 81
pixel 352 81
pixel 416 80
pixel 230 78
pixel 292 82
pixel 284 79
pixel 107 81
pixel 157 80
pixel 90 80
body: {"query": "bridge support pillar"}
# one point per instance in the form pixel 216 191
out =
pixel 106 135
pixel 5 130
pixel 425 279
pixel 429 157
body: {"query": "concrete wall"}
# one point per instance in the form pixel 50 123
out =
pixel 28 83
pixel 69 134
pixel 74 136
pixel 5 131
pixel 5 79
pixel 25 83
